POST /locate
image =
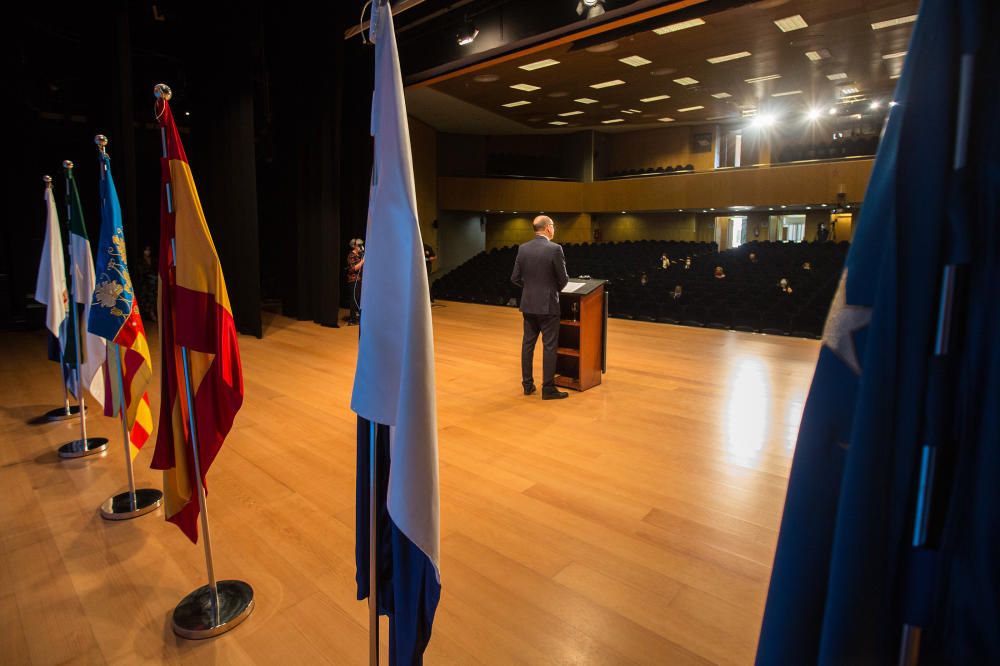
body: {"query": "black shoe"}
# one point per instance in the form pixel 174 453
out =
pixel 528 390
pixel 554 394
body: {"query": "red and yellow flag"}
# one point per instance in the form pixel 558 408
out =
pixel 194 313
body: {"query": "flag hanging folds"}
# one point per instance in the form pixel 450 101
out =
pixel 114 315
pixel 394 379
pixel 82 281
pixel 847 575
pixel 50 288
pixel 194 313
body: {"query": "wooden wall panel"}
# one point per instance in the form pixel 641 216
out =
pixel 423 147
pixel 792 185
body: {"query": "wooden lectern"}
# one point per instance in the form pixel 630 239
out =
pixel 583 333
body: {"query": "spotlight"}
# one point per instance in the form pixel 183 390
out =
pixel 874 105
pixel 594 8
pixel 762 120
pixel 894 103
pixel 833 111
pixel 813 114
pixel 467 33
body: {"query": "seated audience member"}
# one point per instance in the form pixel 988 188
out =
pixel 643 279
pixel 807 266
pixel 719 273
pixel 677 293
pixel 664 261
pixel 687 263
pixel 784 286
pixel 753 257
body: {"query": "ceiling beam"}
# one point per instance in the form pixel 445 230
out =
pixel 400 7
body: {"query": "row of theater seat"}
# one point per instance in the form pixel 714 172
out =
pixel 749 298
pixel 651 171
pixel 848 147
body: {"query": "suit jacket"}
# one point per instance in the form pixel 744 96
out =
pixel 540 269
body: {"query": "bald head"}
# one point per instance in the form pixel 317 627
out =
pixel 544 226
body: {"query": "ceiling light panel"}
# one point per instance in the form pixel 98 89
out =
pixel 558 122
pixel 674 27
pixel 814 55
pixel 666 120
pixel 726 58
pixel 892 23
pixel 631 111
pixel 686 81
pixel 585 100
pixel 759 79
pixel 570 113
pixel 647 100
pixel 613 120
pixel 520 102
pixel 721 95
pixel 608 84
pixel 689 108
pixel 532 66
pixel 635 61
pixel 790 23
pixel 837 77
pixel 786 93
pixel 891 56
pixel 526 87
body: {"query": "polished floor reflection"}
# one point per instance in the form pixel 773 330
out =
pixel 633 523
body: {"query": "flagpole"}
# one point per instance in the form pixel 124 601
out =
pixel 910 642
pixel 215 608
pixel 372 551
pixel 139 502
pixel 67 411
pixel 85 446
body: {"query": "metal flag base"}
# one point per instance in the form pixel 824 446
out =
pixel 193 617
pixel 119 507
pixel 60 413
pixel 79 448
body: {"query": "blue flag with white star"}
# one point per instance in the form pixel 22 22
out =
pixel 847 574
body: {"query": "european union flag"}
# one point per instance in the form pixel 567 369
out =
pixel 907 365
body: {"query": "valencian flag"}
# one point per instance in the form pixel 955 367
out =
pixel 194 313
pixel 853 563
pixel 394 379
pixel 82 279
pixel 114 315
pixel 50 289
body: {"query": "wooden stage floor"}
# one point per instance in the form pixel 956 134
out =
pixel 633 523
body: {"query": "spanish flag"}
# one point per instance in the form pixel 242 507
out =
pixel 194 314
pixel 114 315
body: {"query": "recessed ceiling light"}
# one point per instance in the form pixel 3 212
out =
pixel 631 111
pixel 570 113
pixel 585 100
pixel 635 61
pixel 602 48
pixel 790 23
pixel 647 100
pixel 893 103
pixel 485 78
pixel 786 93
pixel 783 206
pixel 610 106
pixel 813 114
pixel 613 120
pixel 526 87
pixel 662 71
pixel 848 90
pixel 718 117
pixel 539 64
pixel 890 56
pixel 520 102
pixel 721 95
pixel 726 58
pixel 686 81
pixel 624 213
pixel 759 79
pixel 809 207
pixel 833 111
pixel 557 94
pixel 837 77
pixel 689 108
pixel 607 84
pixel 902 20
pixel 666 120
pixel 558 122
pixel 763 120
pixel 674 27
pixel 894 76
pixel 814 55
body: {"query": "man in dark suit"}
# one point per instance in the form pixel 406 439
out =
pixel 540 270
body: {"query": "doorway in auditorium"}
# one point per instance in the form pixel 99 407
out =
pixel 730 231
pixel 787 228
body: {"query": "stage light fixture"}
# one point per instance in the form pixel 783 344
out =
pixel 762 120
pixel 813 114
pixel 467 33
pixel 593 8
pixel 874 105
pixel 833 111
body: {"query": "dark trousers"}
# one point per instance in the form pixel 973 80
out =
pixel 548 326
pixel 354 299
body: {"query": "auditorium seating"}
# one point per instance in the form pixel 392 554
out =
pixel 651 171
pixel 844 147
pixel 747 299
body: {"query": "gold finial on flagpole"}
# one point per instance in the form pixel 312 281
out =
pixel 102 142
pixel 67 164
pixel 48 181
pixel 162 91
